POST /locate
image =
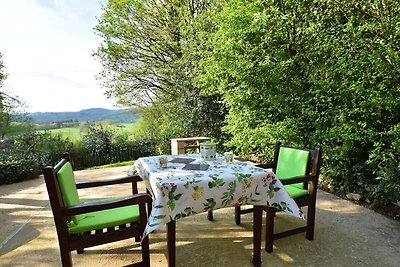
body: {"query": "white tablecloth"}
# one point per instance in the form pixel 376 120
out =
pixel 178 193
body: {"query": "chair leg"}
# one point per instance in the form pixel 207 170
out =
pixel 65 253
pixel 269 233
pixel 66 258
pixel 210 215
pixel 310 222
pixel 257 225
pixel 146 252
pixel 237 215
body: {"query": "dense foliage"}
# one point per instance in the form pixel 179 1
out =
pixel 15 170
pixel 97 142
pixel 314 73
pixel 308 73
pixel 28 153
pixel 101 145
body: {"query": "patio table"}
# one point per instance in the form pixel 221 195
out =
pixel 188 185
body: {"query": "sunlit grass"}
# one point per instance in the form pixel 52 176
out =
pixel 74 134
pixel 111 165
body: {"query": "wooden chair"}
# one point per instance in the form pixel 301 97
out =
pixel 81 225
pixel 298 170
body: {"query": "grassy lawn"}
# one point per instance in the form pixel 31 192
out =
pixel 118 164
pixel 123 127
pixel 74 134
pixel 71 133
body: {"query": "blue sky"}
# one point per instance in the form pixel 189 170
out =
pixel 47 47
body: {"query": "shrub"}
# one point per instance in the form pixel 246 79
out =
pixel 15 170
pixel 97 143
pixel 385 162
pixel 43 147
pixel 100 146
pixel 28 154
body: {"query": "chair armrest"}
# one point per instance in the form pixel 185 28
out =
pixel 105 205
pixel 127 179
pixel 299 179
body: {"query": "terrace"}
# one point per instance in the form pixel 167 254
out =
pixel 345 235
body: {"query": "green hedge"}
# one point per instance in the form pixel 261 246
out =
pixel 17 170
pixel 114 152
pixel 313 73
pixel 31 152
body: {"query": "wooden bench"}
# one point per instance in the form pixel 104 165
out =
pixel 181 145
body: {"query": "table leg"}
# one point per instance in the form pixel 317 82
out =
pixel 171 227
pixel 257 222
pixel 210 215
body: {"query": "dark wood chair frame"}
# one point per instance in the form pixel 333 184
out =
pixel 310 181
pixel 69 242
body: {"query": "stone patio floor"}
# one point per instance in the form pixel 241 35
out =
pixel 345 234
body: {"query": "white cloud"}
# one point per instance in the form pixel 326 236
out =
pixel 47 47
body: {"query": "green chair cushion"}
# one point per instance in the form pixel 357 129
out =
pixel 103 219
pixel 294 191
pixel 66 181
pixel 291 163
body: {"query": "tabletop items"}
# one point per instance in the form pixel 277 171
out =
pixel 208 150
pixel 163 162
pixel 228 157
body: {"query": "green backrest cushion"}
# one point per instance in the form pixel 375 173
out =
pixel 291 163
pixel 66 181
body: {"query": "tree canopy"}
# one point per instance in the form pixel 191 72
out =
pixel 308 73
pixel 147 63
pixel 313 73
pixel 8 106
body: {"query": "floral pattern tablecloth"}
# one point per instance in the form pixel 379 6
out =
pixel 179 193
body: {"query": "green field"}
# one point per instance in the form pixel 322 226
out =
pixel 71 133
pixel 74 134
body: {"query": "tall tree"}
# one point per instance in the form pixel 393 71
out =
pixel 2 73
pixel 6 100
pixel 3 76
pixel 142 47
pixel 255 64
pixel 8 105
pixel 5 118
pixel 145 62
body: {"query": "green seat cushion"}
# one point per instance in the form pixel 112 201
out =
pixel 294 191
pixel 66 181
pixel 103 219
pixel 291 163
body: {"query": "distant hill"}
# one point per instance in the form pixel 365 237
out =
pixel 92 114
